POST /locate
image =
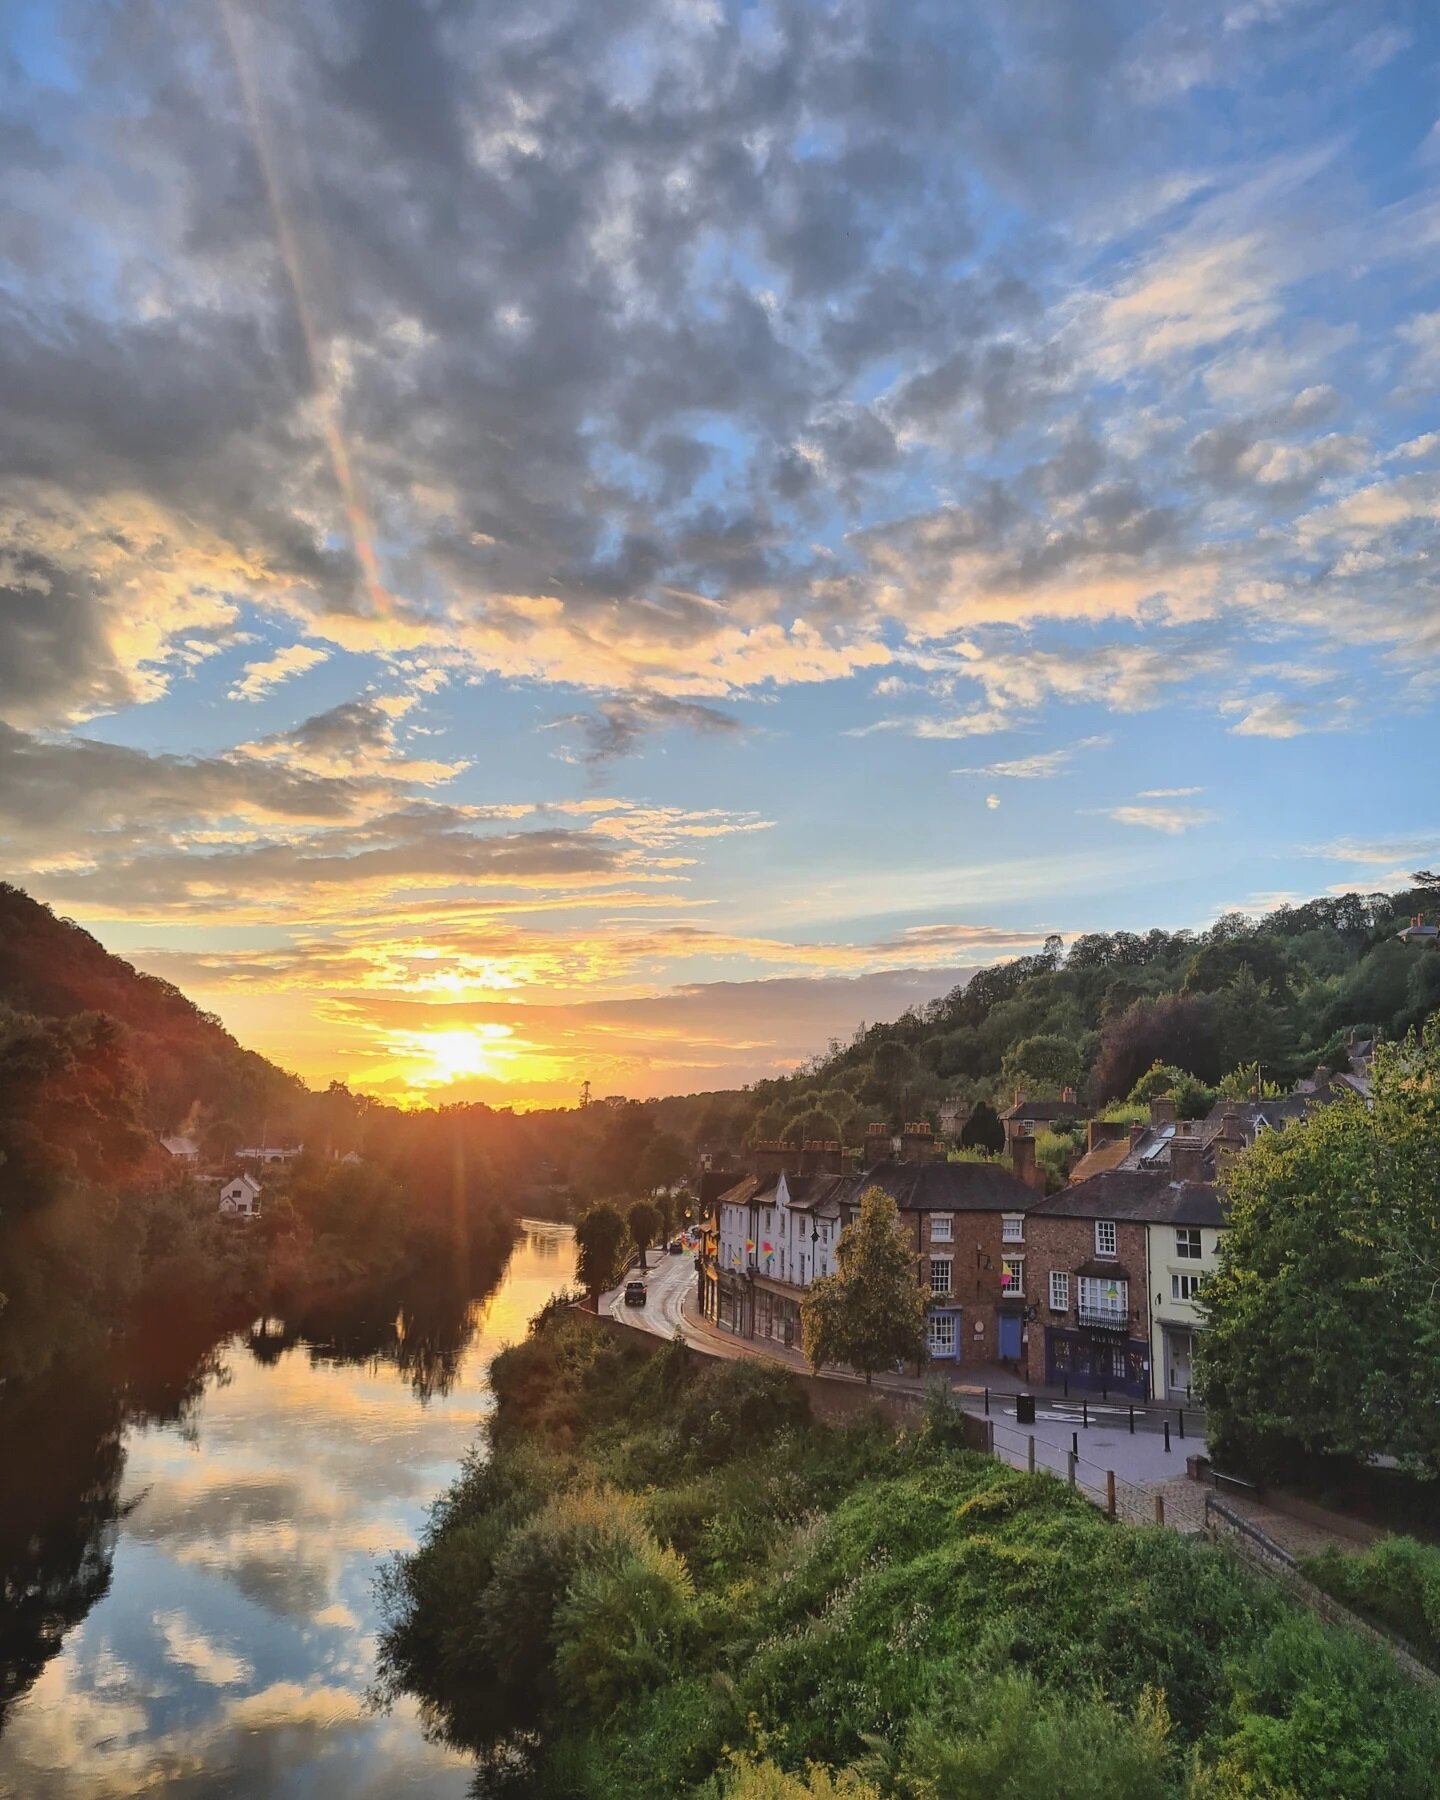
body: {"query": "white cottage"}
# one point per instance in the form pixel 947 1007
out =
pixel 240 1198
pixel 182 1149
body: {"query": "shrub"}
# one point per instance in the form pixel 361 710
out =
pixel 622 1626
pixel 1396 1584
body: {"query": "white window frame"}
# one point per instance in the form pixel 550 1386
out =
pixel 1012 1228
pixel 1099 1306
pixel 947 1263
pixel 1060 1290
pixel 940 1333
pixel 942 1228
pixel 1107 1238
pixel 1017 1263
pixel 1189 1243
pixel 1180 1283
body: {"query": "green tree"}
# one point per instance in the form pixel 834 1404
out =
pixel 1193 1098
pixel 983 1130
pixel 1043 1061
pixel 645 1222
pixel 1324 1326
pixel 600 1240
pixel 870 1313
pixel 665 1163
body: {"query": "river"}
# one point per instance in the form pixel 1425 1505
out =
pixel 190 1553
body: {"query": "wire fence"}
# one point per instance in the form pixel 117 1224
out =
pixel 1177 1503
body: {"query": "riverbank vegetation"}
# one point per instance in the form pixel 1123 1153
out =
pixel 662 1579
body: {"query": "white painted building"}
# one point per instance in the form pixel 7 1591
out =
pixel 182 1149
pixel 240 1198
pixel 270 1153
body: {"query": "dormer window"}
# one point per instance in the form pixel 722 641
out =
pixel 1105 1237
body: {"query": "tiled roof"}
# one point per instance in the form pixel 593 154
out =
pixel 1146 1195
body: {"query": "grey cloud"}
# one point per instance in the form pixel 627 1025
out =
pixel 54 649
pixel 618 726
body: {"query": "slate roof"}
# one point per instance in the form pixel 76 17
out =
pixel 944 1187
pixel 1045 1109
pixel 1147 1196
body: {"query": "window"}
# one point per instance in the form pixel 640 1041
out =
pixel 941 1327
pixel 1103 1301
pixel 940 1274
pixel 1184 1287
pixel 1059 1291
pixel 1012 1228
pixel 1187 1241
pixel 1012 1274
pixel 1105 1237
pixel 942 1228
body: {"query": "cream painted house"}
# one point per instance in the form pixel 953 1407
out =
pixel 1181 1256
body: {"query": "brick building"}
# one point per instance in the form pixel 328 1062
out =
pixel 1094 1248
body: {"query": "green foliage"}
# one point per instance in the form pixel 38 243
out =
pixel 645 1222
pixel 870 1314
pixel 1193 1099
pixel 983 1130
pixel 601 1240
pixel 808 1614
pixel 1395 1584
pixel 1043 1063
pixel 1323 1318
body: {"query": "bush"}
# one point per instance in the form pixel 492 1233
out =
pixel 1396 1584
pixel 622 1626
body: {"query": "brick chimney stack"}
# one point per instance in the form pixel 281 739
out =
pixel 1137 1131
pixel 1162 1110
pixel 1187 1159
pixel 917 1142
pixel 1022 1160
pixel 772 1157
pixel 1103 1131
pixel 1067 1096
pixel 877 1143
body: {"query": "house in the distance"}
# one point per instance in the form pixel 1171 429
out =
pixel 269 1153
pixel 240 1198
pixel 1027 1117
pixel 181 1149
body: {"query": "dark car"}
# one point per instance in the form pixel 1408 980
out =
pixel 675 1246
pixel 634 1293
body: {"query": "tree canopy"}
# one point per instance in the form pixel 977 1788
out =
pixel 870 1313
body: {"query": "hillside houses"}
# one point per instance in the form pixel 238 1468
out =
pixel 240 1197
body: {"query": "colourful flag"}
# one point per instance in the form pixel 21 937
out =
pixel 749 1243
pixel 769 1249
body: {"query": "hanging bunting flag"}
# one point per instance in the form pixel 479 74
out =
pixel 769 1249
pixel 749 1243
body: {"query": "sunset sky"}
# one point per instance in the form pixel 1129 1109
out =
pixel 615 539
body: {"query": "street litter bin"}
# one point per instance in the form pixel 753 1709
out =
pixel 1024 1409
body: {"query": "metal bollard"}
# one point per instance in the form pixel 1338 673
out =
pixel 1074 1443
pixel 1159 1509
pixel 987 1403
pixel 1132 1421
pixel 1167 1434
pixel 1109 1493
pixel 1182 1424
pixel 1030 1456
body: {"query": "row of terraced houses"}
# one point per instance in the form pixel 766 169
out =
pixel 1094 1286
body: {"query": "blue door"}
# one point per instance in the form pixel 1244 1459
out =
pixel 1009 1334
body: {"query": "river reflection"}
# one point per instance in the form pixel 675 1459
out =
pixel 191 1557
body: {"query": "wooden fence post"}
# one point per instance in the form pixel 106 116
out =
pixel 1030 1456
pixel 1109 1493
pixel 1159 1509
pixel 1070 1458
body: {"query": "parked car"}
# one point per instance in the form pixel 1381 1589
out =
pixel 635 1293
pixel 675 1246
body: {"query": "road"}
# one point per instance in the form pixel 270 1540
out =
pixel 669 1279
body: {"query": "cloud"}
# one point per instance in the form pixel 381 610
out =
pixel 1175 793
pixel 992 801
pixel 1273 715
pixel 1172 820
pixel 259 678
pixel 617 726
pixel 191 1650
pixel 1041 765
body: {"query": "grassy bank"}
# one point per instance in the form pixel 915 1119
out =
pixel 663 1579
